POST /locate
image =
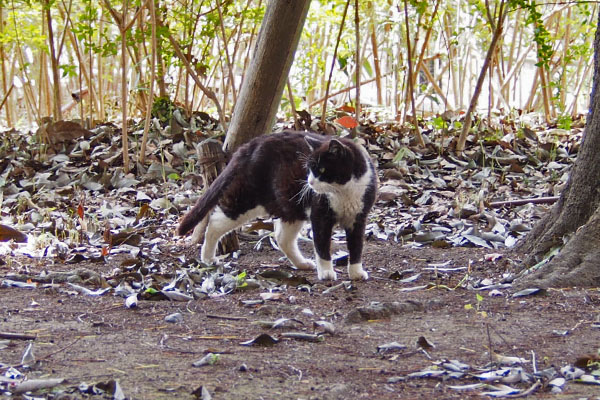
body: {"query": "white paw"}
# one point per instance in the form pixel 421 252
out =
pixel 327 275
pixel 325 271
pixel 357 273
pixel 305 265
pixel 210 261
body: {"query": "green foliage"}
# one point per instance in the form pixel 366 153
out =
pixel 564 121
pixel 68 70
pixel 439 123
pixel 196 26
pixel 541 36
pixel 163 108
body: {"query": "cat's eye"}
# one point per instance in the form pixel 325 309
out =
pixel 322 170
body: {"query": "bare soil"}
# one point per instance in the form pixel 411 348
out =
pixel 96 339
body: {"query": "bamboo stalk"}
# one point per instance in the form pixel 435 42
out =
pixel 44 100
pixel 6 90
pixel 460 145
pixel 563 81
pixel 533 92
pixel 415 129
pixel 102 111
pixel 124 86
pixel 207 92
pixel 451 64
pixel 227 58
pixel 425 42
pixel 142 155
pixel 57 112
pixel 292 105
pixel 583 82
pixel 376 64
pixel 160 68
pixel 342 91
pixel 337 43
pixel 81 63
pixel 358 59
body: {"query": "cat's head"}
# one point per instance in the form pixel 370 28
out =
pixel 330 164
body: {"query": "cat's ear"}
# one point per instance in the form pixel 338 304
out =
pixel 312 142
pixel 336 147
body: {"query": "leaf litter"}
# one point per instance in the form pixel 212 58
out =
pixel 74 203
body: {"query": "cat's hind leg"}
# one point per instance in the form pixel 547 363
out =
pixel 286 234
pixel 199 231
pixel 220 224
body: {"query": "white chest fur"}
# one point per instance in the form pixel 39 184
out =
pixel 345 200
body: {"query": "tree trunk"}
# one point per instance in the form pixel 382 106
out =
pixel 261 91
pixel 575 218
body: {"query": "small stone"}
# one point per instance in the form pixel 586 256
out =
pixel 174 318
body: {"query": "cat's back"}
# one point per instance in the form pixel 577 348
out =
pixel 278 144
pixel 274 150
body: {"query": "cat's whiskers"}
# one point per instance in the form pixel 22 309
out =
pixel 304 191
pixel 304 158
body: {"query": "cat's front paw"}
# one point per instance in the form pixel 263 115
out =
pixel 325 271
pixel 357 273
pixel 327 275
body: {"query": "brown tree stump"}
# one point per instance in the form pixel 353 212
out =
pixel 212 160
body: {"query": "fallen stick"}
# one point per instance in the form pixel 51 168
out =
pixel 227 317
pixel 16 336
pixel 520 202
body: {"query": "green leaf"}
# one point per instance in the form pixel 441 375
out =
pixel 174 176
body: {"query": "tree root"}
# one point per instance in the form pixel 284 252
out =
pixel 575 265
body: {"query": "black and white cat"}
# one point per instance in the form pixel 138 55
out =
pixel 294 177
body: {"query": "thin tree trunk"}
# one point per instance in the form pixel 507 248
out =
pixel 231 82
pixel 101 112
pixel 44 98
pixel 160 69
pixel 357 57
pixel 207 92
pixel 124 136
pixel 57 112
pixel 335 50
pixel 460 146
pixel 376 63
pixel 142 155
pixel 5 89
pixel 124 26
pixel 411 90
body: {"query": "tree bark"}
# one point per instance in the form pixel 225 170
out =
pixel 262 88
pixel 575 218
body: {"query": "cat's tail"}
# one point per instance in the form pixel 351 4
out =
pixel 205 204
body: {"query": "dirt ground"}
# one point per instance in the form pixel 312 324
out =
pixel 88 340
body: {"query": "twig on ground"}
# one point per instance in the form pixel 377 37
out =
pixel 17 336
